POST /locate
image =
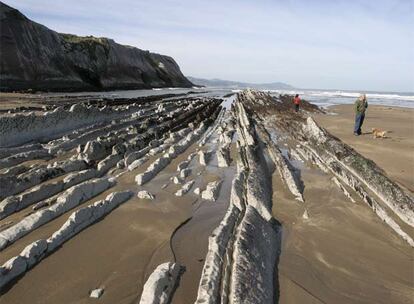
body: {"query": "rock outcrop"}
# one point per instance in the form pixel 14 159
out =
pixel 68 200
pixel 212 191
pixel 350 170
pixel 185 188
pixel 143 194
pixel 79 220
pixel 243 250
pixel 161 284
pixel 35 57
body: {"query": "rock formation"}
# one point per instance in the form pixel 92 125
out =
pixel 85 167
pixel 314 144
pixel 78 221
pixel 76 156
pixel 143 194
pixel 232 274
pixel 161 284
pixel 212 191
pixel 37 58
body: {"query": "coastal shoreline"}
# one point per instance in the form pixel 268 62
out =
pixel 399 141
pixel 321 233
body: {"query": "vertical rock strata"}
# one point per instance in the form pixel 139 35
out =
pixel 65 202
pixel 386 198
pixel 161 284
pixel 243 249
pixel 344 161
pixel 79 220
pixel 242 253
pixel 82 157
pixel 283 166
pixel 241 261
pixel 166 158
pixel 362 175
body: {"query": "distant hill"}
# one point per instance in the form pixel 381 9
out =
pixel 239 85
pixel 35 57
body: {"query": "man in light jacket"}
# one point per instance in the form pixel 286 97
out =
pixel 361 104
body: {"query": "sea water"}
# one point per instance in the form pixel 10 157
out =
pixel 328 98
pixel 321 98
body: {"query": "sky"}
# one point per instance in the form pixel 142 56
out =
pixel 324 44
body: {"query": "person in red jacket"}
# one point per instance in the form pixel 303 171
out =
pixel 296 101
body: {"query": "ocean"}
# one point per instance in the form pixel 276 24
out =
pixel 328 98
pixel 323 98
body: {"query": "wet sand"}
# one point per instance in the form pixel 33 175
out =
pixel 343 253
pixel 117 253
pixel 190 243
pixel 394 154
pixel 120 252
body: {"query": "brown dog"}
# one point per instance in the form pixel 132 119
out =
pixel 378 133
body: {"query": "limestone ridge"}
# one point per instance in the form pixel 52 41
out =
pixel 35 57
pixel 393 204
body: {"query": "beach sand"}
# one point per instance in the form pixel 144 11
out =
pixel 344 253
pixel 117 253
pixel 394 154
pixel 120 252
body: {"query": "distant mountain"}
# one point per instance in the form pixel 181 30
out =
pixel 219 83
pixel 33 56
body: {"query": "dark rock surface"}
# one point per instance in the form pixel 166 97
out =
pixel 37 58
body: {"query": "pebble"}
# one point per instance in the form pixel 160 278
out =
pixel 143 194
pixel 96 293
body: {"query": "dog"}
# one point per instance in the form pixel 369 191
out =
pixel 378 133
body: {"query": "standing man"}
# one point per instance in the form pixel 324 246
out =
pixel 296 101
pixel 361 104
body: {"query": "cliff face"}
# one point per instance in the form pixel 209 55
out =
pixel 35 57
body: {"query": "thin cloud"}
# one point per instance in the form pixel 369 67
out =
pixel 317 44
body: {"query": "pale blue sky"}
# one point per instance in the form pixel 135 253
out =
pixel 361 45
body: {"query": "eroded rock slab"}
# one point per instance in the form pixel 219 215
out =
pixel 65 202
pixel 161 284
pixel 79 220
pixel 185 188
pixel 143 194
pixel 212 191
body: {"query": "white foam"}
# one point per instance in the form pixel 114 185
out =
pixel 328 98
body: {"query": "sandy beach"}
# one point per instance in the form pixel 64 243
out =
pixel 120 252
pixel 340 252
pixel 203 152
pixel 345 254
pixel 394 154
